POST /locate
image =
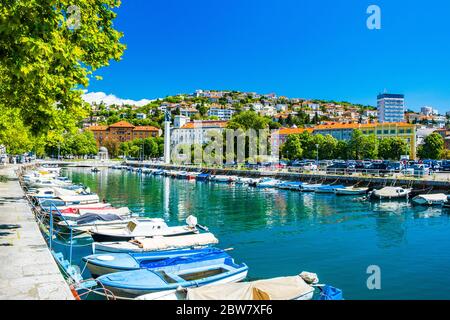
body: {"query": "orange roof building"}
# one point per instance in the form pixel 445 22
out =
pixel 123 131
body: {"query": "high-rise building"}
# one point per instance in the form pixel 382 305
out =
pixel 391 107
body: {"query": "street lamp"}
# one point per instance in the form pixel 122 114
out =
pixel 317 154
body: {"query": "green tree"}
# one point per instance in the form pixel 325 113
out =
pixel 292 148
pixel 432 148
pixel 14 135
pixel 392 148
pixel 248 120
pixel 48 55
pixel 361 146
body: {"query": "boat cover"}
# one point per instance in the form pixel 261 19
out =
pixel 92 217
pixel 283 288
pixel 161 243
pixel 185 259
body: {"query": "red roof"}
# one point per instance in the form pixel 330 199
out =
pixel 121 124
pixel 145 128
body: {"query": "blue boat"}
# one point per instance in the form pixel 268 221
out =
pixel 170 274
pixel 100 264
pixel 306 187
pixel 329 188
pixel 203 177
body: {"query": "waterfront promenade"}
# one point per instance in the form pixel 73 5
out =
pixel 27 268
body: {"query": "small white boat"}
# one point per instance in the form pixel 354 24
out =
pixel 65 201
pixel 242 180
pixel 221 178
pixel 391 193
pixel 282 288
pixel 352 191
pixel 306 187
pixel 135 229
pixel 159 243
pixel 437 199
pixel 268 183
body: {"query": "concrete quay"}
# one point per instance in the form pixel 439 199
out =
pixel 27 268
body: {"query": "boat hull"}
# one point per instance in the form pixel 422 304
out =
pixel 102 237
pixel 131 293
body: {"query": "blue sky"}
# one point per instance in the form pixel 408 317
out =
pixel 297 48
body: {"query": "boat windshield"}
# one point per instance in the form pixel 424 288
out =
pixel 202 274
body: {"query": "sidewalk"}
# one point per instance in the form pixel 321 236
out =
pixel 27 268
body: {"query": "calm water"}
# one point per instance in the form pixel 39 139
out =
pixel 280 233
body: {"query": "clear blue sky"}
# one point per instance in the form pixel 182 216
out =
pixel 297 48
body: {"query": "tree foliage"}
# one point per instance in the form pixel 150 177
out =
pixel 432 148
pixel 392 148
pixel 48 56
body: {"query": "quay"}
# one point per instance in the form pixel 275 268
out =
pixel 437 183
pixel 28 270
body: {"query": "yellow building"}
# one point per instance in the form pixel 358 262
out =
pixel 343 131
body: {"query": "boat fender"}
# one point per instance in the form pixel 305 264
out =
pixel 74 293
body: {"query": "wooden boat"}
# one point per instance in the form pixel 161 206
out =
pixel 135 229
pixel 100 264
pixel 186 272
pixel 391 193
pixel 158 243
pixel 352 191
pixel 437 199
pixel 281 288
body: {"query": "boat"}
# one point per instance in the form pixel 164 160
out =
pixel 74 215
pixel 135 229
pixel 203 177
pixel 95 169
pixel 221 179
pixel 290 185
pixel 49 193
pixel 159 172
pixel 306 187
pixel 352 191
pixel 158 243
pixel 243 180
pixel 391 193
pixel 329 188
pixel 186 272
pixel 267 183
pixel 100 264
pixel 437 199
pixel 280 288
pixel 68 200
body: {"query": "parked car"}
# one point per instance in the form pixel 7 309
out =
pixel 445 165
pixel 338 167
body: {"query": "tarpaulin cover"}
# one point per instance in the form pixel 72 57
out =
pixel 162 243
pixel 283 288
pixel 91 217
pixel 220 254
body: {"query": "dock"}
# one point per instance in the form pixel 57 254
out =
pixel 27 268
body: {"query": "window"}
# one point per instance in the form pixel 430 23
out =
pixel 378 131
pixel 386 131
pixel 392 131
pixel 402 131
pixel 408 130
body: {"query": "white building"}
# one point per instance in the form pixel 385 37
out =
pixel 196 132
pixel 141 116
pixel 391 107
pixel 222 114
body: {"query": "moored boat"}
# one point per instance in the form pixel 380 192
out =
pixel 329 188
pixel 100 264
pixel 437 199
pixel 352 191
pixel 158 243
pixel 215 268
pixel 267 183
pixel 280 288
pixel 391 193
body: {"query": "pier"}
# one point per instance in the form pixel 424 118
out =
pixel 28 270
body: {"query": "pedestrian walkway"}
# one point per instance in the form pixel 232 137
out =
pixel 27 268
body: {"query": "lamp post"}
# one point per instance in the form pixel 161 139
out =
pixel 317 154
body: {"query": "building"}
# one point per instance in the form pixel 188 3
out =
pixel 141 116
pixel 445 133
pixel 276 140
pixel 427 111
pixel 343 131
pixel 391 107
pixel 189 112
pixel 123 131
pixel 196 132
pixel 221 114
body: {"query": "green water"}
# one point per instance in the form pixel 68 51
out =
pixel 279 233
